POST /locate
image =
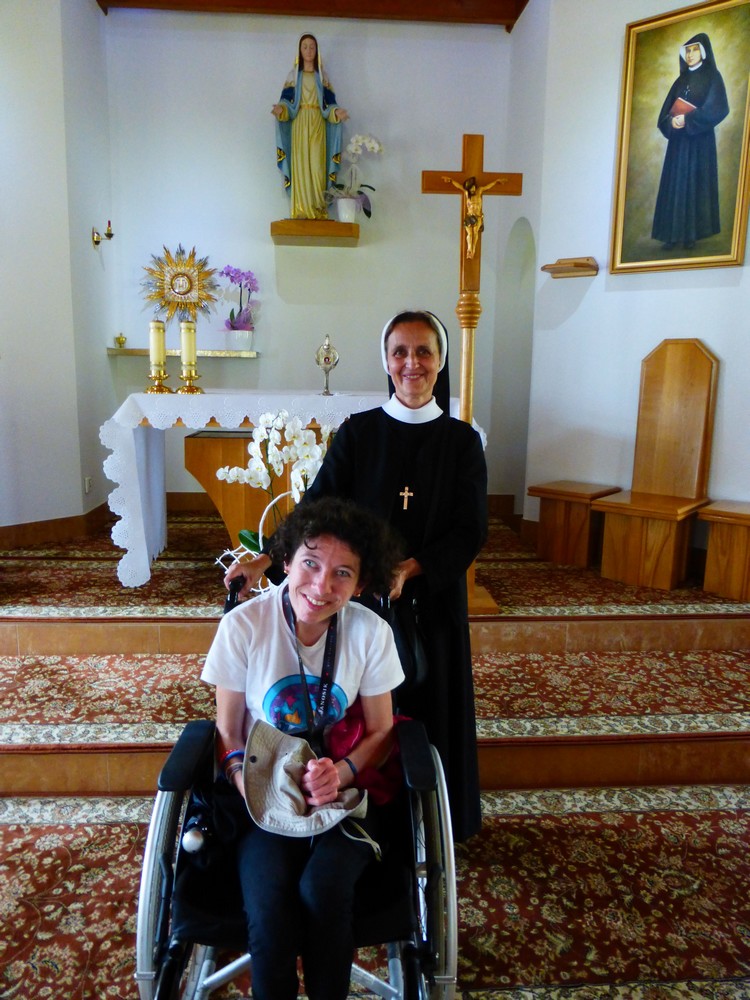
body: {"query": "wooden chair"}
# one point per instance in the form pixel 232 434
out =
pixel 646 528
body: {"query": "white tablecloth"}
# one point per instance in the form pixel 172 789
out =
pixel 137 462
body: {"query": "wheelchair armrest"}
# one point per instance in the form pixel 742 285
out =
pixel 416 755
pixel 194 743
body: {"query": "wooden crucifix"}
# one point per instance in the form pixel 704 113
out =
pixel 472 182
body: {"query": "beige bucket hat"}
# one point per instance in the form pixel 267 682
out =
pixel 273 767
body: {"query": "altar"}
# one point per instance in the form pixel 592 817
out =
pixel 136 434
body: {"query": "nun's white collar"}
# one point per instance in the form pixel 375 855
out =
pixel 423 415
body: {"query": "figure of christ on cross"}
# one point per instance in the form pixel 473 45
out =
pixel 471 175
pixel 473 214
pixel 407 495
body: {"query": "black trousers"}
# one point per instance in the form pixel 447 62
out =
pixel 299 898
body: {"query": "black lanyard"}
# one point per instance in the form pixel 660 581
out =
pixel 315 720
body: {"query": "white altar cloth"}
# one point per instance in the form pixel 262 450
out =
pixel 137 463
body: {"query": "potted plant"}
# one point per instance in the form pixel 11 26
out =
pixel 280 447
pixel 351 188
pixel 244 319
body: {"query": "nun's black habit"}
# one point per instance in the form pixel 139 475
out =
pixel 374 456
pixel 687 205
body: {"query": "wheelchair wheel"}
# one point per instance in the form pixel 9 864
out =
pixel 437 906
pixel 155 897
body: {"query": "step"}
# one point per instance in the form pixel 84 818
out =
pixel 103 724
pixel 94 724
pixel 610 718
pixel 70 636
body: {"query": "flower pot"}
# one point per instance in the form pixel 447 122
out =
pixel 347 209
pixel 239 340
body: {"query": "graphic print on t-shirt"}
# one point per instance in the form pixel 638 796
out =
pixel 284 703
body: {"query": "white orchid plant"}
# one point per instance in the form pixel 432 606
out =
pixel 279 444
pixel 350 186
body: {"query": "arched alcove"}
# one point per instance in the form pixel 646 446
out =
pixel 511 374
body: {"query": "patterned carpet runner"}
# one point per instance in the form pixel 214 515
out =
pixel 147 698
pixel 80 581
pixel 638 894
pixel 626 894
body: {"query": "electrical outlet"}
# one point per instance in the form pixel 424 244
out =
pixel 87 484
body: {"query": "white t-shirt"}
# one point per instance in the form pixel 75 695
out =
pixel 254 651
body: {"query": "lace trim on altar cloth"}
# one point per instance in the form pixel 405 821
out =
pixel 144 537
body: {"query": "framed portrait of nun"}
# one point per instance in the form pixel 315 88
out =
pixel 683 167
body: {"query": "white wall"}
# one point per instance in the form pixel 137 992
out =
pixel 591 334
pixel 39 457
pixel 194 163
pixel 161 122
pixel 510 371
pixel 94 272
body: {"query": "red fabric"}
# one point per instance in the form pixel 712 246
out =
pixel 381 783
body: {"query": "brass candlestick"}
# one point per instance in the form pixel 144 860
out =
pixel 188 355
pixel 157 357
pixel 326 358
pixel 159 376
pixel 189 376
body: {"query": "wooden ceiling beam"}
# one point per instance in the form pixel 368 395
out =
pixel 497 12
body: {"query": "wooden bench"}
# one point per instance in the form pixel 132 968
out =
pixel 728 556
pixel 568 533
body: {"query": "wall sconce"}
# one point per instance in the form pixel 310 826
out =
pixel 97 237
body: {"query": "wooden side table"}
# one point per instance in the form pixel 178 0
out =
pixel 567 534
pixel 728 556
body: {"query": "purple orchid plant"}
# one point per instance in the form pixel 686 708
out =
pixel 247 282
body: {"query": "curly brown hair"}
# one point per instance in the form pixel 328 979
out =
pixel 366 534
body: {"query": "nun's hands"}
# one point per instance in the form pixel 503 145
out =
pixel 404 571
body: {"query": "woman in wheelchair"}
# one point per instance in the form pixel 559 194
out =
pixel 297 657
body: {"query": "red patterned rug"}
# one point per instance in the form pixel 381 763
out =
pixel 615 886
pixel 611 693
pixel 80 581
pixel 635 894
pixel 102 699
pixel 69 873
pixel 147 698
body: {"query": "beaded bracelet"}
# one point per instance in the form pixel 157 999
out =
pixel 354 769
pixel 230 772
pixel 239 752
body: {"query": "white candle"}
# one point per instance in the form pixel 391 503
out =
pixel 187 343
pixel 157 344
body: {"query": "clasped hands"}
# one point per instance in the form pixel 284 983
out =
pixel 320 782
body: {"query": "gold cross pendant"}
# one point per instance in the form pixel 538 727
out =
pixel 406 495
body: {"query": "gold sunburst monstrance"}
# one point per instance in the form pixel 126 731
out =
pixel 180 284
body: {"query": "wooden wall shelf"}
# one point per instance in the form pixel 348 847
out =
pixel 314 233
pixel 133 352
pixel 573 267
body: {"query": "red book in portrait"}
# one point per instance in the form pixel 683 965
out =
pixel 681 107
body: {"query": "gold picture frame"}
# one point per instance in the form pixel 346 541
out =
pixel 669 197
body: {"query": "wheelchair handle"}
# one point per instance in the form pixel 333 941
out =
pixel 232 599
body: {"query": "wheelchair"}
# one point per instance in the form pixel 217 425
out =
pixel 190 917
